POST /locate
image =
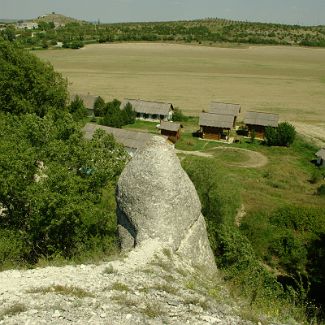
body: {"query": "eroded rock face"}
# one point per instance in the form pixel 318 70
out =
pixel 157 200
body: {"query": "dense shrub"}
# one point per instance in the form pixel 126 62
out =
pixel 283 135
pixel 115 116
pixel 77 109
pixel 56 188
pixel 99 107
pixel 178 116
pixel 51 184
pixel 321 190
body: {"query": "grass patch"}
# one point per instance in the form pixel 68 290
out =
pixel 63 290
pixel 12 310
pixel 153 310
pixel 118 286
pixel 165 287
pixel 145 126
pixel 123 300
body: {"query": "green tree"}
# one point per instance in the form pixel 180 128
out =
pixel 178 116
pixel 99 106
pixel 271 136
pixel 286 134
pixel 78 109
pixel 27 85
pixel 129 114
pixel 283 135
pixel 51 186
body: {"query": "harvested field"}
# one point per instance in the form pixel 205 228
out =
pixel 285 80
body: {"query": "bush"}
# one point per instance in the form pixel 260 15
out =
pixel 178 116
pixel 286 134
pixel 13 249
pixel 115 116
pixel 77 109
pixel 321 190
pixel 99 107
pixel 283 135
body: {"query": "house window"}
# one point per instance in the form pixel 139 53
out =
pixel 162 117
pixel 138 114
pixel 154 116
pixel 145 115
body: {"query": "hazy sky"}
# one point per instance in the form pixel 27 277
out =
pixel 307 12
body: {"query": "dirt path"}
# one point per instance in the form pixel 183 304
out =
pixel 313 132
pixel 255 159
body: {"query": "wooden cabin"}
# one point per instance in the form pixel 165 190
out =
pixel 321 157
pixel 171 130
pixel 225 109
pixel 215 126
pixel 258 121
pixel 89 102
pixel 149 110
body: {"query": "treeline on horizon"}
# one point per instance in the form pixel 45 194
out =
pixel 207 31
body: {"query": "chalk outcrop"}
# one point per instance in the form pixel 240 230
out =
pixel 157 200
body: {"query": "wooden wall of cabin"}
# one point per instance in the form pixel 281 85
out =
pixel 259 131
pixel 173 136
pixel 213 133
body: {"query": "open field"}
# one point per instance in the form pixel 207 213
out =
pixel 285 80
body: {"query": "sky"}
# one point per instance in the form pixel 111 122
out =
pixel 303 12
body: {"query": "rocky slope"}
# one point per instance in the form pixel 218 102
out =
pixel 167 274
pixel 150 285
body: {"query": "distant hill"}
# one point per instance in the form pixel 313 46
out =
pixel 58 19
pixel 8 21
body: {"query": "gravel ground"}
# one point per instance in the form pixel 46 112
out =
pixel 150 285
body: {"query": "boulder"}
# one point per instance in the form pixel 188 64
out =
pixel 157 200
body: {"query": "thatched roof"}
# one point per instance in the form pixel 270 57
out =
pixel 88 100
pixel 148 107
pixel 216 120
pixel 262 119
pixel 224 108
pixel 169 126
pixel 130 139
pixel 321 153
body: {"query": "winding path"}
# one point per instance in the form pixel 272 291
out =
pixel 255 159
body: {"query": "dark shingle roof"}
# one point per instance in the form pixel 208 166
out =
pixel 148 107
pixel 263 119
pixel 169 126
pixel 130 139
pixel 216 120
pixel 321 153
pixel 224 108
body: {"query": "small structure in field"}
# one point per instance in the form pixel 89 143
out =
pixel 89 102
pixel 321 157
pixel 225 109
pixel 258 121
pixel 131 140
pixel 212 126
pixel 170 129
pixel 149 110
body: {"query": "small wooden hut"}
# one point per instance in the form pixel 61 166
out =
pixel 225 109
pixel 213 126
pixel 171 130
pixel 258 121
pixel 149 110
